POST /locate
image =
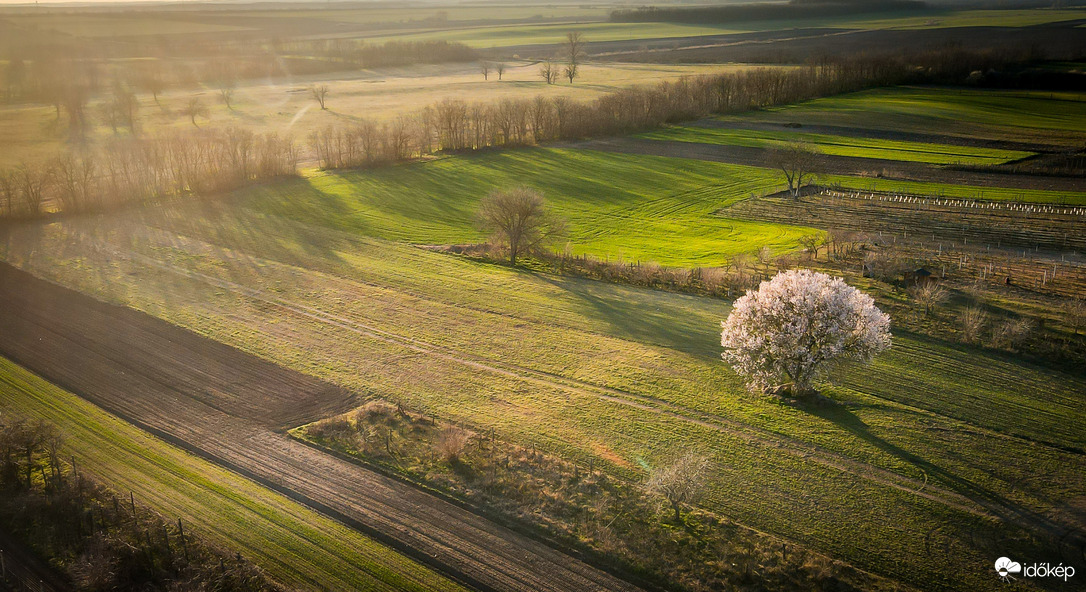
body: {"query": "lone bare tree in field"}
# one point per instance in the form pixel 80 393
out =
pixel 681 482
pixel 574 54
pixel 500 69
pixel 320 92
pixel 485 69
pixel 193 108
pixel 518 219
pixel 797 160
pixel 929 296
pixel 549 72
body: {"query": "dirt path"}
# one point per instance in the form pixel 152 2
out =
pixel 225 405
pixel 836 165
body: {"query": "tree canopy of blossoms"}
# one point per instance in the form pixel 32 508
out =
pixel 798 325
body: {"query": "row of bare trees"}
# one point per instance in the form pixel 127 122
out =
pixel 133 169
pixel 456 125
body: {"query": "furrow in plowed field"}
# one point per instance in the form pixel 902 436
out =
pixel 225 405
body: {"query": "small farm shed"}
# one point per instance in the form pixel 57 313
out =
pixel 919 277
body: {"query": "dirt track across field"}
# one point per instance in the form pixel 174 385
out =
pixel 836 165
pixel 231 407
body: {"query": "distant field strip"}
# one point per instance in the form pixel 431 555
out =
pixel 293 544
pixel 842 145
pixel 1057 117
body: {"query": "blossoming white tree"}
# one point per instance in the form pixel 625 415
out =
pixel 798 325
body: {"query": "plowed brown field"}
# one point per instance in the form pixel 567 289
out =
pixel 231 407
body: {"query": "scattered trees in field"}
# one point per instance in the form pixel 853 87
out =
pixel 518 220
pixel 320 93
pixel 797 160
pixel 681 482
pixel 795 327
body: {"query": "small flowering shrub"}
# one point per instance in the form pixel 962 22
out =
pixel 798 325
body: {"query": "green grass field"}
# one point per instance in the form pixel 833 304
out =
pixel 840 145
pixel 969 18
pixel 662 211
pixel 547 34
pixel 293 544
pixel 961 420
pixel 1050 117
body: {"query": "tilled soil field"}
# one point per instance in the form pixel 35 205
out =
pixel 231 407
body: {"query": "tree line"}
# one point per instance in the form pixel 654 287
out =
pixel 458 125
pixel 96 538
pixel 126 170
pixel 209 161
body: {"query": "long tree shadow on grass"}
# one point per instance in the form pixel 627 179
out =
pixel 648 316
pixel 1058 534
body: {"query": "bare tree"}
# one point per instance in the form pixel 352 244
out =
pixel 681 482
pixel 484 67
pixel 500 69
pixel 929 296
pixel 33 184
pixel 549 72
pixel 122 108
pixel 765 258
pixel 518 219
pixel 225 79
pixel 9 189
pixel 811 243
pixel 574 54
pixel 1075 313
pixel 797 161
pixel 1012 333
pixel 193 108
pixel 570 71
pixel 319 92
pixel 973 320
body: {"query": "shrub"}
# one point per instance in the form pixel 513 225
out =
pixel 451 442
